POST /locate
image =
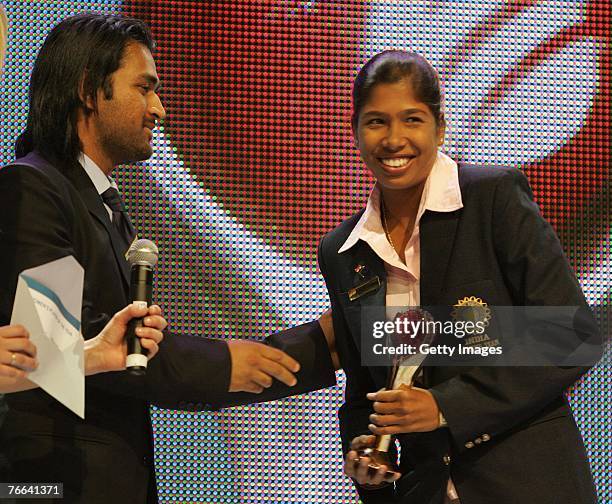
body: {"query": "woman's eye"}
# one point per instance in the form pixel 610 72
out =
pixel 375 122
pixel 412 120
pixel 144 88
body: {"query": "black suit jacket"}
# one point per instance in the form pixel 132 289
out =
pixel 511 436
pixel 48 212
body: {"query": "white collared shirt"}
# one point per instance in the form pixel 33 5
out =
pixel 99 179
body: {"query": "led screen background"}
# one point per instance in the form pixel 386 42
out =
pixel 255 162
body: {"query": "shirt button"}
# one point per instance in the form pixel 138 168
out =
pixel 446 459
pixel 486 437
pixel 469 445
pixel 478 440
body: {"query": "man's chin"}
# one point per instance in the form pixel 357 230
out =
pixel 147 153
pixel 136 156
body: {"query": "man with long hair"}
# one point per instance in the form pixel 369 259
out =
pixel 93 105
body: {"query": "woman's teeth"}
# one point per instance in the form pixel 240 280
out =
pixel 395 162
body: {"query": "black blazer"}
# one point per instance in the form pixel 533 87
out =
pixel 46 213
pixel 511 436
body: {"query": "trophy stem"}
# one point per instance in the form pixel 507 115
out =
pixel 393 374
pixel 383 442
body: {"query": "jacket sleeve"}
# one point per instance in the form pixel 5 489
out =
pixel 537 274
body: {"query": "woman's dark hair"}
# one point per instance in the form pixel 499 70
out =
pixel 389 67
pixel 76 60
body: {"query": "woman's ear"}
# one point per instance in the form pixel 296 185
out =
pixel 441 129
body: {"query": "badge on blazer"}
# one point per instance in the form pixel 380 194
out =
pixel 368 286
pixel 474 309
pixel 471 308
pixel 361 270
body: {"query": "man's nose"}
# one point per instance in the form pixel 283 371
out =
pixel 157 109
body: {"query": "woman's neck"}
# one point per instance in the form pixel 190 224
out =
pixel 400 210
pixel 401 206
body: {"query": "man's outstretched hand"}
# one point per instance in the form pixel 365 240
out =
pixel 255 366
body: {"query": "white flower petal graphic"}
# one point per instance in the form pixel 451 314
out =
pixel 542 112
pixel 282 281
pixel 441 30
pixel 430 28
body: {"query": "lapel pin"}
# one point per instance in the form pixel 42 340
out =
pixel 361 270
pixel 369 286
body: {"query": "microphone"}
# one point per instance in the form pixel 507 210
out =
pixel 142 256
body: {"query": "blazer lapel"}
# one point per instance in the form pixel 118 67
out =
pixel 437 235
pixel 370 307
pixel 96 208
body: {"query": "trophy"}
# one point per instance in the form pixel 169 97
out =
pixel 379 453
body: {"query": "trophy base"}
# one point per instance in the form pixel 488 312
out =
pixel 377 459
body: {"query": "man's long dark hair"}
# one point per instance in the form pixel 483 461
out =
pixel 75 62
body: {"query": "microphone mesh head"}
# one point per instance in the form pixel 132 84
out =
pixel 143 252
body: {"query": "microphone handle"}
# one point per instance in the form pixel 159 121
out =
pixel 141 291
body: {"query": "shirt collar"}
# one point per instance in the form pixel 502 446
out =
pixel 440 194
pixel 100 181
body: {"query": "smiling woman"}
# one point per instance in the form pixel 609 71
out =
pixel 434 232
pixel 398 136
pixel 398 127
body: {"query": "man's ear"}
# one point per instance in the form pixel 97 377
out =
pixel 88 102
